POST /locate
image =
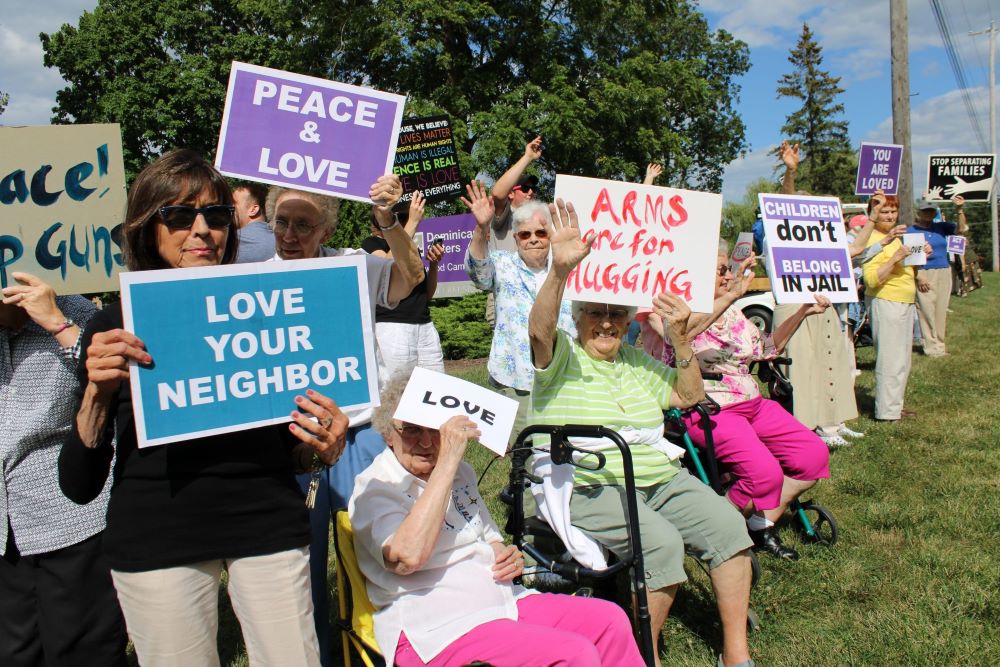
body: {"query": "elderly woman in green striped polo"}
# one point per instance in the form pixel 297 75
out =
pixel 594 379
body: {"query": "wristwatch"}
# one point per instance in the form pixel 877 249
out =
pixel 684 363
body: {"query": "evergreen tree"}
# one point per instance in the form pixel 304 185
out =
pixel 830 163
pixel 4 98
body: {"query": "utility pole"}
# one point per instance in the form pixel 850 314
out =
pixel 993 142
pixel 899 26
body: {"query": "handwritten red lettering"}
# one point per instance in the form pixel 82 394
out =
pixel 677 205
pixel 628 207
pixel 603 204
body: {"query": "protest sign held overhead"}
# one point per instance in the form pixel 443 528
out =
pixel 649 240
pixel 239 342
pixel 426 160
pixel 807 250
pixel 62 203
pixel 878 168
pixel 968 175
pixel 455 234
pixel 956 245
pixel 431 398
pixel 307 133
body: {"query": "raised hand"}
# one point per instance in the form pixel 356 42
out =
pixel 326 435
pixel 789 155
pixel 533 149
pixel 455 436
pixel 822 303
pixel 479 204
pixel 385 193
pixel 877 202
pixel 653 170
pixel 417 204
pixel 435 252
pixel 740 283
pixel 958 201
pixel 36 298
pixel 674 313
pixel 567 247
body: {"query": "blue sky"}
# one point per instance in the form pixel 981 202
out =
pixel 854 35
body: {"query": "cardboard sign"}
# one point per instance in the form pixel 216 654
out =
pixel 742 249
pixel 455 232
pixel 968 175
pixel 956 245
pixel 426 160
pixel 62 202
pixel 431 398
pixel 878 168
pixel 649 240
pixel 307 133
pixel 915 242
pixel 239 342
pixel 807 250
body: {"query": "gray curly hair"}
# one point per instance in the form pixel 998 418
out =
pixel 391 393
pixel 329 207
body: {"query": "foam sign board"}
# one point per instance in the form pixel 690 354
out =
pixel 807 251
pixel 431 398
pixel 426 160
pixel 307 133
pixel 239 342
pixel 62 202
pixel 969 175
pixel 878 168
pixel 649 240
pixel 956 245
pixel 742 249
pixel 915 242
pixel 455 233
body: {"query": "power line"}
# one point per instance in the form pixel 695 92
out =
pixel 958 70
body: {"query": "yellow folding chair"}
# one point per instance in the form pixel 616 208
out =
pixel 355 613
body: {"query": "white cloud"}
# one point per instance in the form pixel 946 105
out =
pixel 937 125
pixel 744 170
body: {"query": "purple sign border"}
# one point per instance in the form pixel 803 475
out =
pixel 866 161
pixel 353 144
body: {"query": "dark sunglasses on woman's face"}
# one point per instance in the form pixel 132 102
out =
pixel 723 270
pixel 525 235
pixel 217 216
pixel 524 188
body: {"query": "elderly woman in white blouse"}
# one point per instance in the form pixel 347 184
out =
pixel 439 574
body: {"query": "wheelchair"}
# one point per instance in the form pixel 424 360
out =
pixel 815 523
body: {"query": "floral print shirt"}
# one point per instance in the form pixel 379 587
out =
pixel 515 285
pixel 727 347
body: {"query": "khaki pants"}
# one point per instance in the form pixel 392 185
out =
pixel 892 329
pixel 172 615
pixel 932 309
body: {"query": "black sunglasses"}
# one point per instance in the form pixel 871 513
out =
pixel 217 216
pixel 526 188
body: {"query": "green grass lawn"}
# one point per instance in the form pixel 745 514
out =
pixel 914 579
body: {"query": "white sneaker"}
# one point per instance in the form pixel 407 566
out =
pixel 833 441
pixel 848 432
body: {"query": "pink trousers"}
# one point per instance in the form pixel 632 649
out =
pixel 760 444
pixel 550 630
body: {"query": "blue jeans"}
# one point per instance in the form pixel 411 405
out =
pixel 335 489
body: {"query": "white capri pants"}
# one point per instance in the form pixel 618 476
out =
pixel 172 615
pixel 403 345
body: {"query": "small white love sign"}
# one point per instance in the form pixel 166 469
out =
pixel 430 399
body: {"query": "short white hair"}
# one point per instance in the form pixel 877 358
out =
pixel 528 210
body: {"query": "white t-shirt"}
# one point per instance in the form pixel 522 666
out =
pixel 378 270
pixel 454 591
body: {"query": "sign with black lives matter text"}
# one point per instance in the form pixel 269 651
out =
pixel 807 250
pixel 649 240
pixel 239 342
pixel 970 176
pixel 426 159
pixel 62 202
pixel 307 133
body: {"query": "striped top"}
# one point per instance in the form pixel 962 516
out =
pixel 633 390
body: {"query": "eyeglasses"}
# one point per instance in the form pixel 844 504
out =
pixel 177 218
pixel 525 235
pixel 618 315
pixel 299 228
pixel 723 270
pixel 412 433
pixel 526 188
